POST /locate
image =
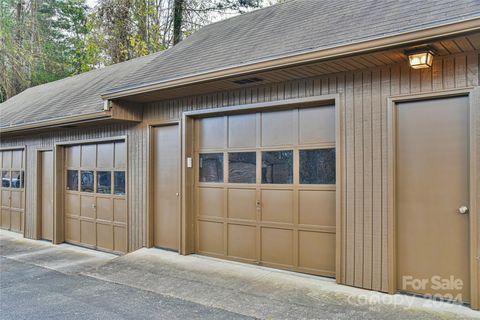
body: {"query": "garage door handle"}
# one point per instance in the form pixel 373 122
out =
pixel 258 204
pixel 463 210
pixel 94 206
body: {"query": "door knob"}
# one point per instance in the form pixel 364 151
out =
pixel 177 194
pixel 463 210
pixel 258 204
pixel 94 206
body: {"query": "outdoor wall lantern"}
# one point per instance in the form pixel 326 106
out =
pixel 420 58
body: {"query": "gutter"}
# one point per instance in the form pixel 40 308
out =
pixel 308 56
pixel 57 122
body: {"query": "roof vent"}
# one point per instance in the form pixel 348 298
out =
pixel 247 80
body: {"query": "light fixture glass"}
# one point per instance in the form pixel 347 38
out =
pixel 420 59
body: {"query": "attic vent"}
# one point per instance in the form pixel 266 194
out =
pixel 247 80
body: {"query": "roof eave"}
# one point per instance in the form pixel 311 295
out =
pixel 56 122
pixel 380 43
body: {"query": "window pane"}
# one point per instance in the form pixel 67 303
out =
pixel 16 179
pixel 6 179
pixel 211 167
pixel 277 167
pixel 23 179
pixel 72 180
pixel 241 167
pixel 317 166
pixel 119 183
pixel 104 182
pixel 87 181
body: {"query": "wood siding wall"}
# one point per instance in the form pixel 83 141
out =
pixel 364 95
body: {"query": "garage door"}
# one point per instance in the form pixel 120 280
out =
pixel 95 196
pixel 265 190
pixel 12 190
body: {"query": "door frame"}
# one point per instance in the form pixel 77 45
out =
pixel 473 95
pixel 38 179
pixel 24 164
pixel 150 170
pixel 188 183
pixel 59 185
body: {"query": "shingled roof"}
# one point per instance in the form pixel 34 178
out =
pixel 292 28
pixel 72 96
pixel 295 27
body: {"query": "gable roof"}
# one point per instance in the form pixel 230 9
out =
pixel 72 96
pixel 293 28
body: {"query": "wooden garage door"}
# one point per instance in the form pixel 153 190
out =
pixel 12 198
pixel 95 196
pixel 265 190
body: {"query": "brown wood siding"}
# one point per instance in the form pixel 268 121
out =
pixel 364 94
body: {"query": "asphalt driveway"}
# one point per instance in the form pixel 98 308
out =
pixel 42 281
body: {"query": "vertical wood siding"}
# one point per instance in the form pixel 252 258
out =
pixel 364 94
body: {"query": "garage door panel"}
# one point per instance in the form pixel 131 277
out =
pixel 105 236
pixel 210 237
pixel 87 206
pixel 72 204
pixel 120 210
pixel 88 155
pixel 120 239
pixel 104 209
pixel 241 241
pixel 241 204
pixel 277 128
pixel 5 218
pixel 277 246
pixel 6 198
pixel 211 133
pixel 105 155
pixel 316 125
pixel 16 199
pixel 16 220
pixel 72 156
pixel 17 159
pixel 316 250
pixel 242 131
pixel 317 207
pixel 72 231
pixel 87 232
pixel 7 159
pixel 211 202
pixel 120 155
pixel 277 205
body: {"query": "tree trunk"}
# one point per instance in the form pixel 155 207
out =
pixel 177 21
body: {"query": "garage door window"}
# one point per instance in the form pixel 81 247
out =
pixel 317 166
pixel 17 178
pixel 72 180
pixel 5 179
pixel 211 167
pixel 277 167
pixel 119 183
pixel 104 182
pixel 242 167
pixel 87 181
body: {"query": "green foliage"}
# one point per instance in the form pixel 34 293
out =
pixel 46 40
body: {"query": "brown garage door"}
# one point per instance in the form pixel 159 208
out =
pixel 265 190
pixel 12 190
pixel 95 196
